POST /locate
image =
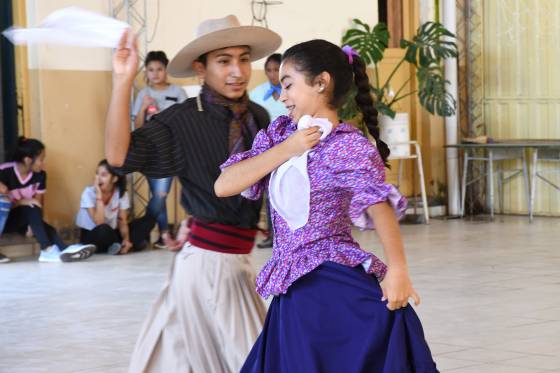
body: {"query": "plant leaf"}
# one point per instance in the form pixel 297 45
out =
pixel 432 91
pixel 369 42
pixel 431 44
pixel 383 109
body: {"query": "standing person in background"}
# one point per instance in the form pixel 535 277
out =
pixel 268 96
pixel 157 96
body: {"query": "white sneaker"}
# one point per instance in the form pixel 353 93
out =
pixel 77 252
pixel 4 259
pixel 50 255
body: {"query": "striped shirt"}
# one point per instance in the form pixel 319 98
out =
pixel 184 142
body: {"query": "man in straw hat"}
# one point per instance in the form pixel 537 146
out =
pixel 208 315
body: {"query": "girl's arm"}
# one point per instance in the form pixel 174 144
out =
pixel 97 213
pixel 33 202
pixel 123 229
pixel 139 120
pixel 240 176
pixel 397 286
pixel 40 198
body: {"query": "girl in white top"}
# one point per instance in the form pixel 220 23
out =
pixel 103 215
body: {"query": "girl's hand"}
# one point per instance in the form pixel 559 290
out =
pixel 125 57
pixel 98 192
pixel 126 246
pixel 30 202
pixel 147 100
pixel 397 289
pixel 301 141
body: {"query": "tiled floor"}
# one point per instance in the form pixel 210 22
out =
pixel 490 292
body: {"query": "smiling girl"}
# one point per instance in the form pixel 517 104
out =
pixel 336 307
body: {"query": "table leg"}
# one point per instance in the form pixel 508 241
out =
pixel 491 181
pixel 500 174
pixel 464 181
pixel 526 181
pixel 533 183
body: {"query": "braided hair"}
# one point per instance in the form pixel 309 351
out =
pixel 317 56
pixel 365 104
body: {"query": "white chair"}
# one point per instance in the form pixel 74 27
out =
pixel 417 155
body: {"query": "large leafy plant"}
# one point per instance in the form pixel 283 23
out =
pixel 432 44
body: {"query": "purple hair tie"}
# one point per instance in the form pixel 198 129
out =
pixel 350 53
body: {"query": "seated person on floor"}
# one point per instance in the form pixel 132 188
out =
pixel 103 215
pixel 24 182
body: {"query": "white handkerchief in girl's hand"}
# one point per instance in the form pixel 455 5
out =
pixel 307 121
pixel 289 189
pixel 71 26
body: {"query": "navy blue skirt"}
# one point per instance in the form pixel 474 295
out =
pixel 333 320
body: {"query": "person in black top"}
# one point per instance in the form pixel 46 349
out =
pixel 24 182
pixel 208 314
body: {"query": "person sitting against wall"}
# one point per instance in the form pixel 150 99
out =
pixel 5 205
pixel 23 184
pixel 104 213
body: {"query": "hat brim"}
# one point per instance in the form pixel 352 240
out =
pixel 262 42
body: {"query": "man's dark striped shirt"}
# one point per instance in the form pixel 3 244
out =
pixel 190 144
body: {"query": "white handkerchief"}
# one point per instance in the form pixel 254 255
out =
pixel 71 26
pixel 289 188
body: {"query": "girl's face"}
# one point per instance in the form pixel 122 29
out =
pixel 300 97
pixel 37 164
pixel 105 180
pixel 156 73
pixel 272 70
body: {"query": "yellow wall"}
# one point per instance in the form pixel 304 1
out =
pixel 69 88
pixel 522 85
pixel 73 109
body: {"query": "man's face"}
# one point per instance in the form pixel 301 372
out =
pixel 227 71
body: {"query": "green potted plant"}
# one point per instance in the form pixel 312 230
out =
pixel 427 50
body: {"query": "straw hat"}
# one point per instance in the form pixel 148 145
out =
pixel 221 33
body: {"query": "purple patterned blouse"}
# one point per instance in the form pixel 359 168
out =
pixel 347 175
